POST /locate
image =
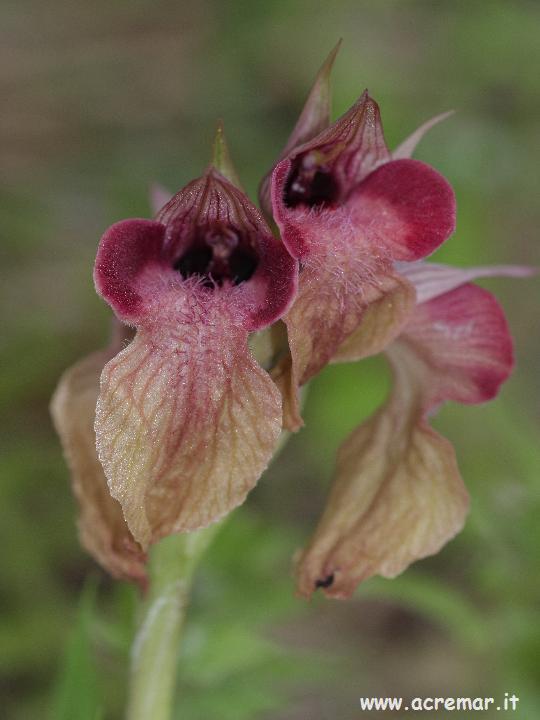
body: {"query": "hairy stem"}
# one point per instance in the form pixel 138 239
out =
pixel 155 649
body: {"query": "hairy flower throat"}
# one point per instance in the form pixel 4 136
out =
pixel 219 253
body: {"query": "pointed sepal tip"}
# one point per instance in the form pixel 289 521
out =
pixel 221 158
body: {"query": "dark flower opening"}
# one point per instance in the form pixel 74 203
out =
pixel 324 582
pixel 310 183
pixel 219 253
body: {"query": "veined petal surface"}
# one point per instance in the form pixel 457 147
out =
pixel 404 209
pixel 397 494
pixel 103 531
pixel 185 428
pixel 336 321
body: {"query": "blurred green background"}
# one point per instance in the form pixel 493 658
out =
pixel 100 99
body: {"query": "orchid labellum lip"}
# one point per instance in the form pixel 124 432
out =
pixel 187 420
pixel 125 250
pixel 406 207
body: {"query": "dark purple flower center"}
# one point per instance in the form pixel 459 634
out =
pixel 325 582
pixel 310 183
pixel 219 253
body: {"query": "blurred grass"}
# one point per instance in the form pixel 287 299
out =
pixel 77 695
pixel 102 99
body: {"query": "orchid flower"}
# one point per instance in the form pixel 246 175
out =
pixel 186 419
pixel 359 218
pixel 347 210
pixel 397 495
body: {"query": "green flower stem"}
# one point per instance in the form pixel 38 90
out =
pixel 154 653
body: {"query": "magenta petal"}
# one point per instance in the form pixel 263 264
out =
pixel 271 291
pixel 464 340
pixel 433 279
pixel 405 207
pixel 125 251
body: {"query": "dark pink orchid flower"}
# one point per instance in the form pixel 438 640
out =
pixel 359 219
pixel 398 495
pixel 187 420
pixel 348 210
